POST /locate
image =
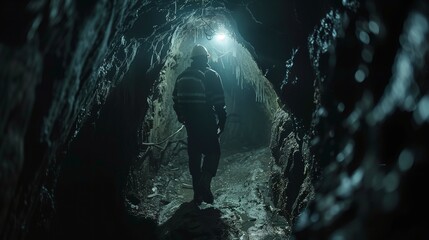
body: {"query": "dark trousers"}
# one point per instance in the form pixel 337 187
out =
pixel 203 151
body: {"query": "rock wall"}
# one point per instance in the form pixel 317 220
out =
pixel 292 171
pixel 57 60
pixel 366 153
pixel 374 99
pixel 296 129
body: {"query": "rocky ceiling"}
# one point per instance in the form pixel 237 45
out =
pixel 346 86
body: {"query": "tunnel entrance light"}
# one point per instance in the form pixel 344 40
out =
pixel 220 37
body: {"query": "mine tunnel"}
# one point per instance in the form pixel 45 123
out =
pixel 326 132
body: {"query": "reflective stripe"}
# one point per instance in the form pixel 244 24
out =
pixel 189 78
pixel 191 89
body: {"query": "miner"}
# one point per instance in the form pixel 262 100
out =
pixel 199 103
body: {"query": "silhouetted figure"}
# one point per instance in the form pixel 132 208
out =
pixel 199 103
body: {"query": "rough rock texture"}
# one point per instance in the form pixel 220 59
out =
pixel 375 101
pixel 366 132
pixel 293 167
pixel 54 65
pixel 19 94
pixel 295 128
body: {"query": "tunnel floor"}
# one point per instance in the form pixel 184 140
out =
pixel 242 208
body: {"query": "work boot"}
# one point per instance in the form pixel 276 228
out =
pixel 198 199
pixel 204 187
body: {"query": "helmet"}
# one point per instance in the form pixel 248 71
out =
pixel 199 50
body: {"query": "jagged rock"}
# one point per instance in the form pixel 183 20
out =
pixel 291 176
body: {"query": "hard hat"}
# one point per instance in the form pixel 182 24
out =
pixel 199 50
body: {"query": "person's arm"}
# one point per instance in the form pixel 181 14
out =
pixel 221 113
pixel 217 98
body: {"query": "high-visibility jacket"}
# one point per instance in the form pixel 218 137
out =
pixel 198 96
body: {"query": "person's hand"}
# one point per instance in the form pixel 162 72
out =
pixel 219 131
pixel 220 127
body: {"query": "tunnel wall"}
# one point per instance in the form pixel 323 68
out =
pixel 370 186
pixel 293 166
pixel 60 61
pixel 297 165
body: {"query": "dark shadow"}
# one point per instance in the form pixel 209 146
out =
pixel 90 201
pixel 190 222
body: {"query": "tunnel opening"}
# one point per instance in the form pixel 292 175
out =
pixel 251 104
pixel 250 98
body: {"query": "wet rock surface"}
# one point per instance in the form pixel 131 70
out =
pixel 242 207
pixel 50 62
pixel 372 147
pixel 293 168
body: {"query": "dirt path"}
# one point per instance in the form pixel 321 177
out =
pixel 242 208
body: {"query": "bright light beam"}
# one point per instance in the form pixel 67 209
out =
pixel 220 37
